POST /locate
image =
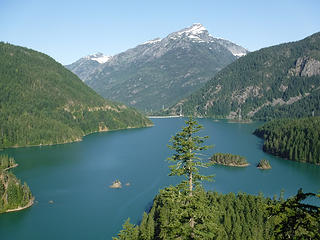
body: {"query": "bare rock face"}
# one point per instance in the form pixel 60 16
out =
pixel 306 67
pixel 160 72
pixel 311 68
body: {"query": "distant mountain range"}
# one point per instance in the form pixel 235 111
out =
pixel 41 102
pixel 278 81
pixel 159 72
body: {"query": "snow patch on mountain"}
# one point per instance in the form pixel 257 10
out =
pixel 98 57
pixel 240 54
pixel 152 41
pixel 195 29
pixel 102 59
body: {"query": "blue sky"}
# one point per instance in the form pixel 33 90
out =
pixel 67 30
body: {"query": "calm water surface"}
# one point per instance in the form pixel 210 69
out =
pixel 76 177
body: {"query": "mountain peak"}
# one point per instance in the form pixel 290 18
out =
pixel 196 32
pixel 196 28
pixel 152 41
pixel 98 57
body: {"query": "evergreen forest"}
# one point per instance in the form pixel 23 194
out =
pixel 229 159
pixel 187 211
pixel 13 194
pixel 273 82
pixel 294 139
pixel 41 102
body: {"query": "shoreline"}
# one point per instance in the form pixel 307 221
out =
pixel 234 165
pixel 13 166
pixel 170 116
pixel 30 203
pixel 239 121
pixel 264 168
pixel 76 140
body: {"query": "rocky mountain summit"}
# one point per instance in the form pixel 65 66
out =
pixel 159 72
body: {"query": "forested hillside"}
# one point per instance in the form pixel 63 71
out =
pixel 278 81
pixel 41 102
pixel 294 139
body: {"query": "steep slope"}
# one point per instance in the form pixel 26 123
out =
pixel 41 102
pixel 278 81
pixel 159 72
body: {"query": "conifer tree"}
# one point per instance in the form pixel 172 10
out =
pixel 295 219
pixel 129 232
pixel 186 157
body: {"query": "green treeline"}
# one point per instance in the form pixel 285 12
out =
pixel 253 82
pixel 303 108
pixel 41 102
pixel 187 211
pixel 218 216
pixel 6 162
pixel 225 216
pixel 294 139
pixel 13 194
pixel 228 159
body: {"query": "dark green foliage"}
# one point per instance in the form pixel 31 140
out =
pixel 216 216
pixel 249 86
pixel 264 164
pixel 186 160
pixel 41 102
pixel 307 106
pixel 13 194
pixel 228 159
pixel 295 139
pixel 295 219
pixel 129 232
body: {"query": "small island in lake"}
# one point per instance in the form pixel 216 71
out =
pixel 264 164
pixel 228 159
pixel 14 196
pixel 116 184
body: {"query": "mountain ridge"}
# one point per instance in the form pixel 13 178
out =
pixel 277 81
pixel 43 103
pixel 160 71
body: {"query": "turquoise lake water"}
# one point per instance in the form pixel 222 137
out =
pixel 76 177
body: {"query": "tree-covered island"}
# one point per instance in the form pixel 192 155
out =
pixel 14 195
pixel 263 164
pixel 228 159
pixel 187 211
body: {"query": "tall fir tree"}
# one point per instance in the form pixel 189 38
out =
pixel 187 147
